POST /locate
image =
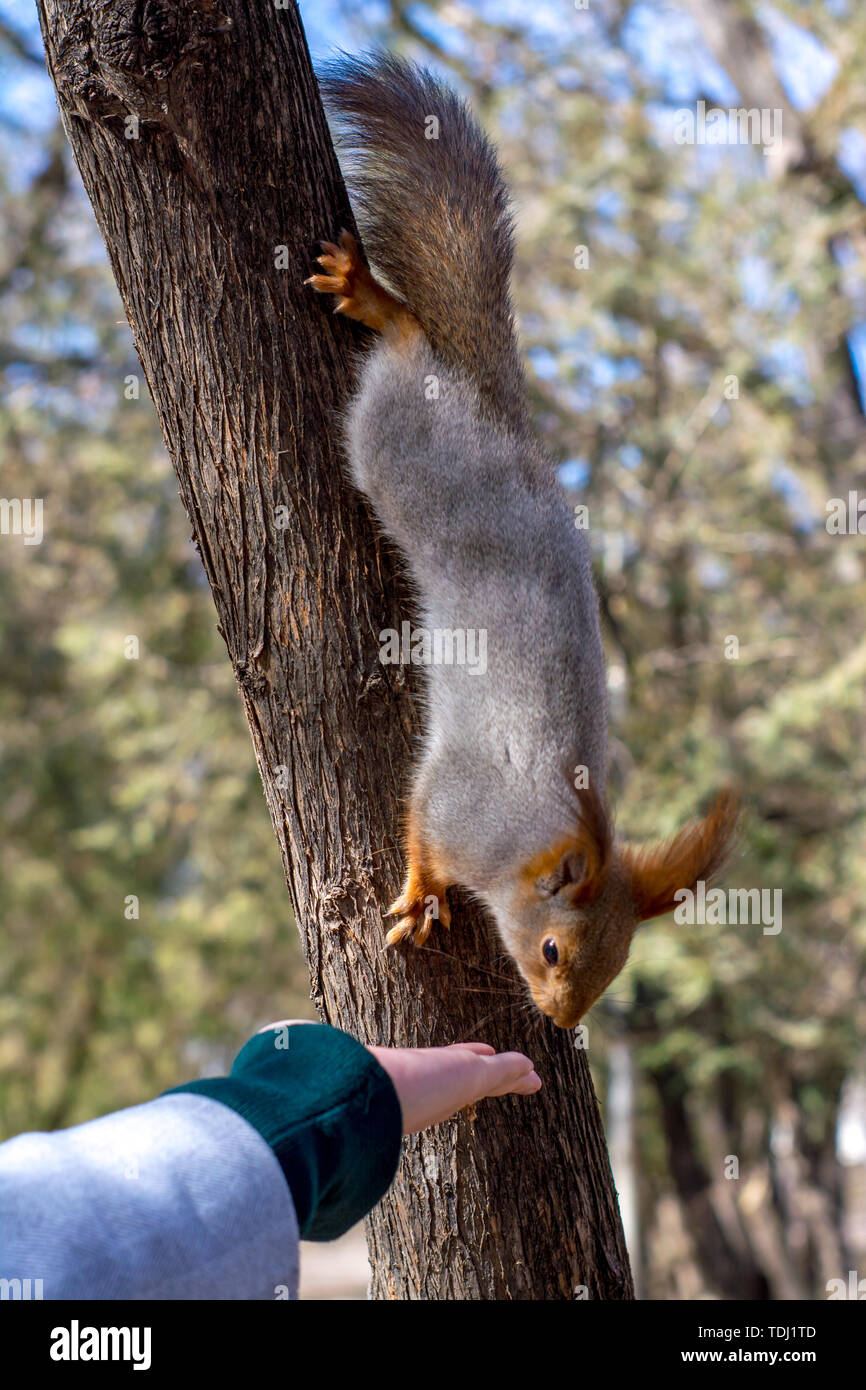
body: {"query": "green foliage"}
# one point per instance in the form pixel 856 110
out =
pixel 122 776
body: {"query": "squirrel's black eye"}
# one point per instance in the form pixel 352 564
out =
pixel 550 951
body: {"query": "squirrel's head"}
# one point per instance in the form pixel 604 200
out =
pixel 578 904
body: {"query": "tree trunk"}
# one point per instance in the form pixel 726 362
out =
pixel 727 1266
pixel 203 147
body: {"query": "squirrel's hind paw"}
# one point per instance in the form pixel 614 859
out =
pixel 360 296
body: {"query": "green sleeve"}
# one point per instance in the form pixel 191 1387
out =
pixel 328 1111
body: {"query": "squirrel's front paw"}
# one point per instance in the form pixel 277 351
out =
pixel 417 913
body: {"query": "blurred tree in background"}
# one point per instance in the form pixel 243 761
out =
pixel 695 321
pixel 124 775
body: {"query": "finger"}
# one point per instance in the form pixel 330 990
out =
pixel 506 1072
pixel 480 1049
pixel 525 1085
pixel 514 1061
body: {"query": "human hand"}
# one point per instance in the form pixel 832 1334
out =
pixel 433 1083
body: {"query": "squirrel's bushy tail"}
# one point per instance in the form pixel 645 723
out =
pixel 434 214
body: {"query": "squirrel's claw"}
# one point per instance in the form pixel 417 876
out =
pixel 326 284
pixel 359 295
pixel 406 929
pixel 330 251
pixel 417 919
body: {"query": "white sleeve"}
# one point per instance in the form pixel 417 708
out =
pixel 180 1198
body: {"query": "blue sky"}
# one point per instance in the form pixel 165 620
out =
pixel 671 53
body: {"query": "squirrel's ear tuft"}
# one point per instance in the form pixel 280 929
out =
pixel 658 872
pixel 575 866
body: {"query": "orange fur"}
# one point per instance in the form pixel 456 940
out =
pixel 657 872
pixel 361 297
pixel 426 877
pixel 592 837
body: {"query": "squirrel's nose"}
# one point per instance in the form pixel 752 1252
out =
pixel 569 1019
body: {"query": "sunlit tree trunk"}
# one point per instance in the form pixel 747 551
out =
pixel 203 147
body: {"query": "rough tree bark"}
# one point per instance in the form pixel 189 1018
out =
pixel 203 147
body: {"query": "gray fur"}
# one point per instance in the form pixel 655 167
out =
pixel 439 440
pixel 491 544
pixel 435 213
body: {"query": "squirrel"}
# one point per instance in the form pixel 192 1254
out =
pixel 439 440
